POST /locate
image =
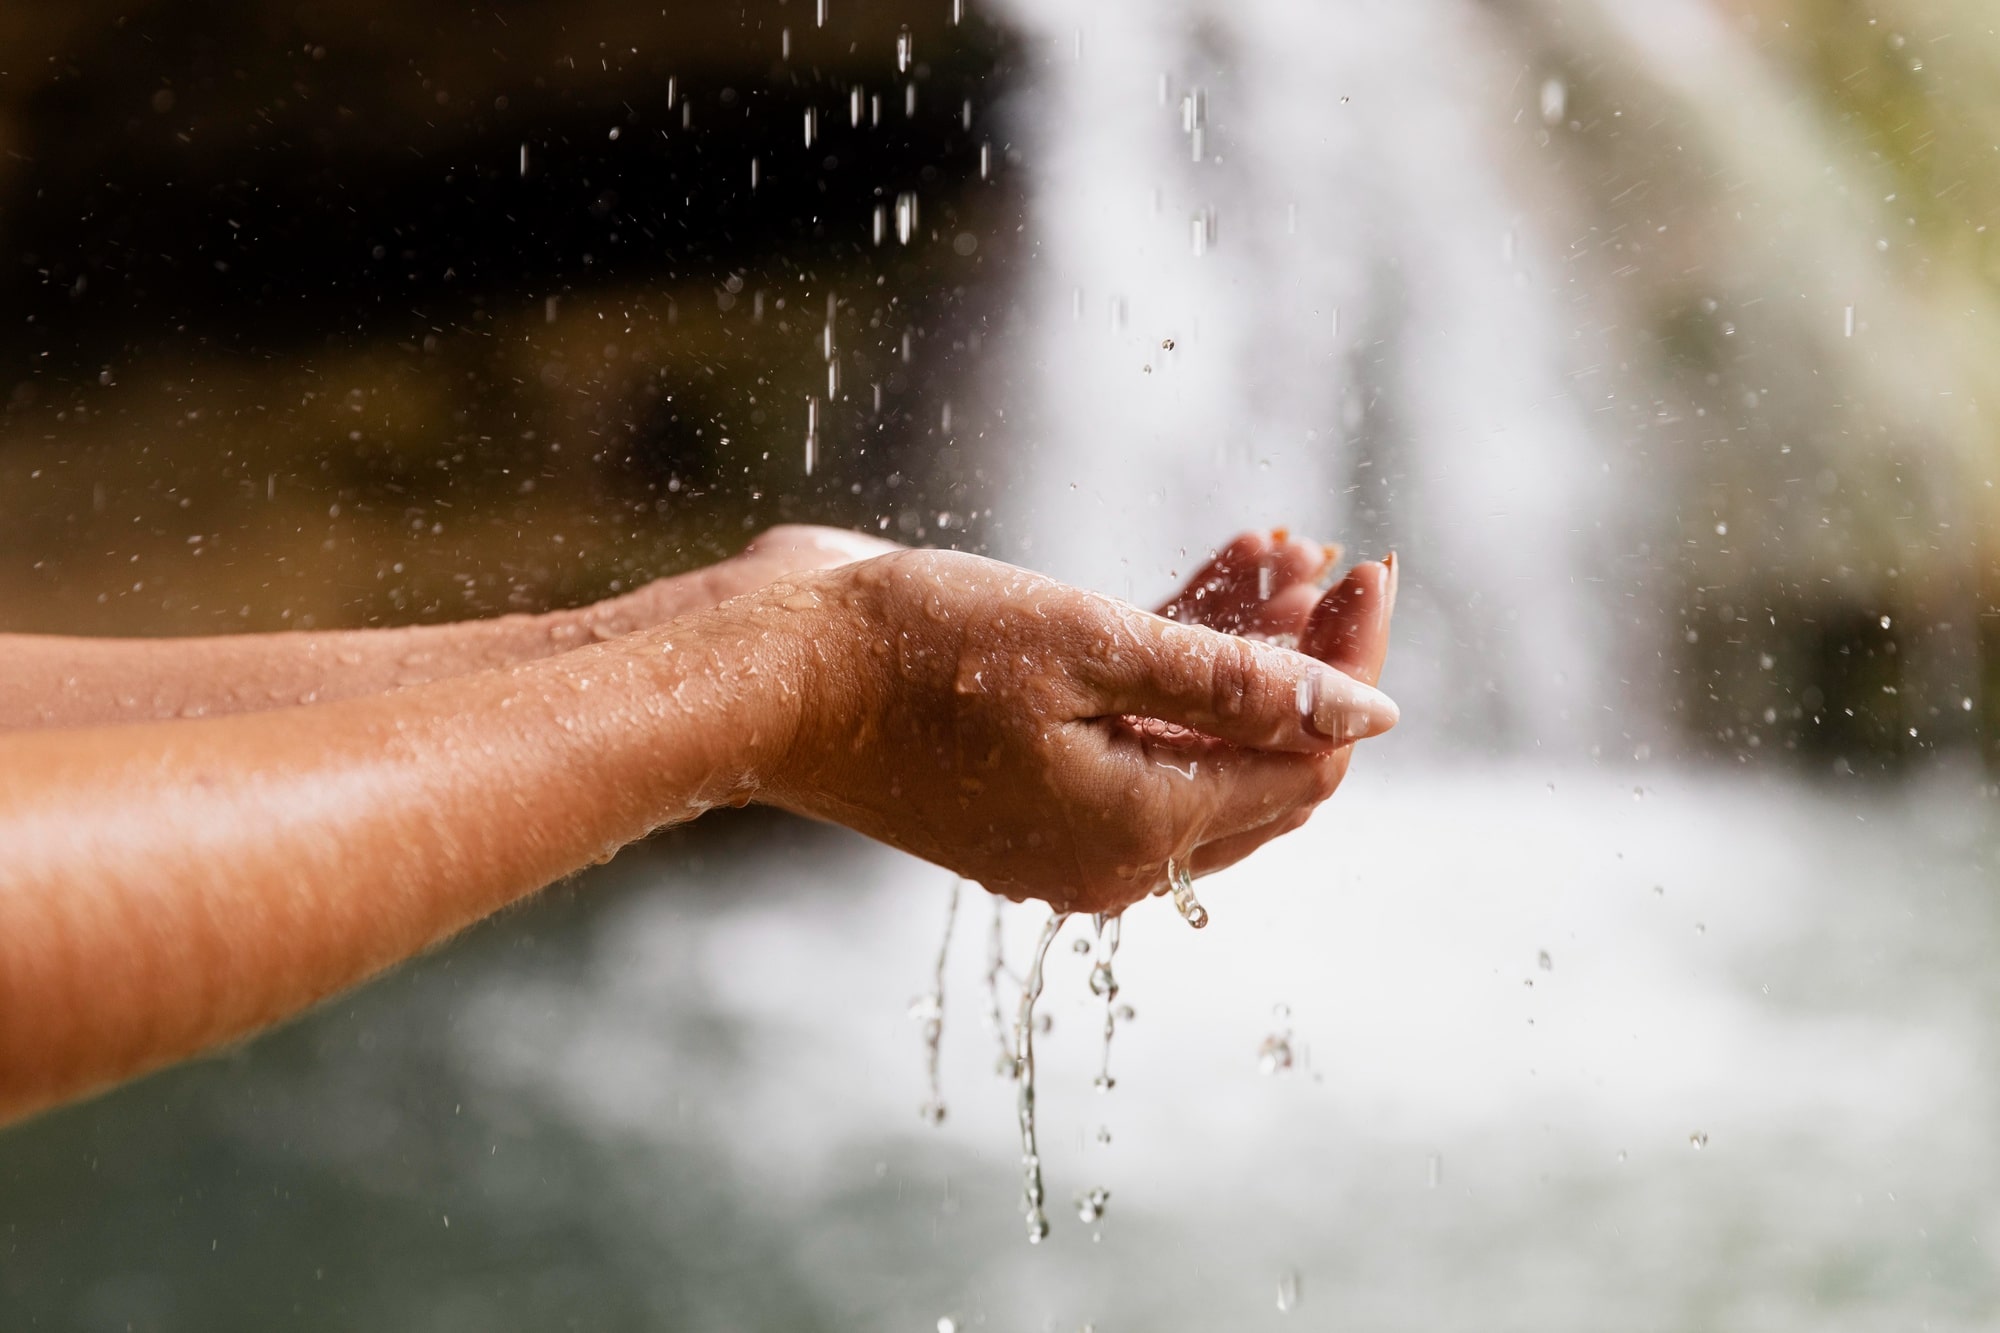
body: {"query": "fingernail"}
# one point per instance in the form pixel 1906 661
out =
pixel 1341 708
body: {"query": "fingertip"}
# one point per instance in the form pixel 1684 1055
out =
pixel 1349 628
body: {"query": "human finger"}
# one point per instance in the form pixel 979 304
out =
pixel 1247 693
pixel 1349 628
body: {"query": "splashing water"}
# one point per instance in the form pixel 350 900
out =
pixel 1024 1077
pixel 929 1010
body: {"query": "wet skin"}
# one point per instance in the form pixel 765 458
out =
pixel 168 885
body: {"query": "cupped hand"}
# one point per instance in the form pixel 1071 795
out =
pixel 1262 586
pixel 1050 742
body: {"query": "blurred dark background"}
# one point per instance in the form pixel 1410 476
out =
pixel 350 313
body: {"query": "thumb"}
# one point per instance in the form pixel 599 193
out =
pixel 1251 694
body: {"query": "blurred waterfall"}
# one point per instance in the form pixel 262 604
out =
pixel 1302 200
pixel 1611 317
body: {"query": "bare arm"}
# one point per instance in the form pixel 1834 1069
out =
pixel 58 681
pixel 167 886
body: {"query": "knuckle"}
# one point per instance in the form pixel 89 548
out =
pixel 1235 676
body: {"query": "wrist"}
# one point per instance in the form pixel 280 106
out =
pixel 732 689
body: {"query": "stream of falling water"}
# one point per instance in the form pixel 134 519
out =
pixel 929 1010
pixel 996 966
pixel 1024 1078
pixel 1104 982
pixel 1017 1049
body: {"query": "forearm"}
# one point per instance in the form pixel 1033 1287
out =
pixel 55 681
pixel 166 887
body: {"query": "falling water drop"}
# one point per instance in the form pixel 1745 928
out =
pixel 1847 323
pixel 812 434
pixel 1289 1290
pixel 854 106
pixel 1274 1053
pixel 957 11
pixel 903 51
pixel 1197 236
pixel 785 43
pixel 1104 982
pixel 906 216
pixel 1181 880
pixel 812 125
pixel 1555 100
pixel 985 161
pixel 819 13
pixel 524 161
pixel 880 226
pixel 1024 1078
pixel 754 172
pixel 1090 1204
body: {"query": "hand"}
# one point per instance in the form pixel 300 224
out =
pixel 1050 742
pixel 1267 587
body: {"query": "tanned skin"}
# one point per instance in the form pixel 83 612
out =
pixel 199 838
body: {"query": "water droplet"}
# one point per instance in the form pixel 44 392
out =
pixel 906 216
pixel 1847 322
pixel 1543 961
pixel 1434 1171
pixel 1698 1140
pixel 946 1324
pixel 1274 1054
pixel 812 122
pixel 1081 945
pixel 1885 622
pixel 1555 100
pixel 819 13
pixel 1288 1291
pixel 903 48
pixel 812 434
pixel 1090 1204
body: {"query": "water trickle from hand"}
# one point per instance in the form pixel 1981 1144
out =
pixel 996 966
pixel 1104 982
pixel 1181 883
pixel 929 1010
pixel 1024 1079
